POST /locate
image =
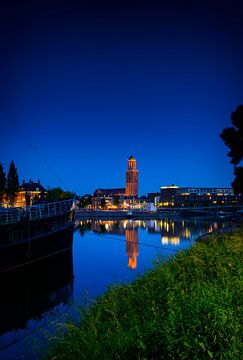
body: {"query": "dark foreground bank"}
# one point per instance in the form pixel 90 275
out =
pixel 189 308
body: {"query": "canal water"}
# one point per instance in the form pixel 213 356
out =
pixel 36 300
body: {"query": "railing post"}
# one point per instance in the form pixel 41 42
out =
pixel 29 211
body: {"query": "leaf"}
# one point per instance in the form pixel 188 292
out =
pixel 210 354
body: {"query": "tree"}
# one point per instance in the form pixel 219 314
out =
pixel 103 203
pixel 2 182
pixel 237 183
pixel 57 193
pixel 116 201
pixel 12 182
pixel 85 201
pixel 233 138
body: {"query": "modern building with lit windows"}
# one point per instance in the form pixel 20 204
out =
pixel 179 196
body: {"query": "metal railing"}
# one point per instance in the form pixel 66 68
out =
pixel 35 212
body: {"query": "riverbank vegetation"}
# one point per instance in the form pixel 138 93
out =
pixel 185 308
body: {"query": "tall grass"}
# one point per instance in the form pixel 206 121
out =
pixel 186 308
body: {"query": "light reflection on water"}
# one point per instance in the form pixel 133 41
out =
pixel 117 251
pixel 104 252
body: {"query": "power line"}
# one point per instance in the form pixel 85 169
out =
pixel 134 242
pixel 11 118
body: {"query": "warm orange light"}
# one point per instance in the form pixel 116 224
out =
pixel 132 262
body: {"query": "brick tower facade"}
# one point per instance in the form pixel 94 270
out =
pixel 132 178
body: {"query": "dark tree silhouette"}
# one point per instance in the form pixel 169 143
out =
pixel 85 201
pixel 2 182
pixel 57 193
pixel 116 201
pixel 237 184
pixel 103 203
pixel 12 182
pixel 233 138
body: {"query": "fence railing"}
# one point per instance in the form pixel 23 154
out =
pixel 35 212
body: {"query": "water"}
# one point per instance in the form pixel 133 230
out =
pixel 34 299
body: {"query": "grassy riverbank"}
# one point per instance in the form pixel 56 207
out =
pixel 189 308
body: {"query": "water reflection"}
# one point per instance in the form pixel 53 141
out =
pixel 172 231
pixel 104 252
pixel 29 293
pixel 173 240
pixel 131 233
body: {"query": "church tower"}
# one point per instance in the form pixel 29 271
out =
pixel 132 178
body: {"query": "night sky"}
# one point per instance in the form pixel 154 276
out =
pixel 84 85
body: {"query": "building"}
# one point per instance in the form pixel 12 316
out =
pixel 179 196
pixel 119 197
pixel 168 195
pixel 150 207
pixel 132 178
pixel 29 193
pixel 107 198
pixel 152 196
pixel 110 192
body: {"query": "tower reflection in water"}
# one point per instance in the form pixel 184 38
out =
pixel 129 228
pixel 131 233
pixel 173 232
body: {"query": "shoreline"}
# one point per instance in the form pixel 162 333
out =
pixel 169 310
pixel 148 215
pixel 235 226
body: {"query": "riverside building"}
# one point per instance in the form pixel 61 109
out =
pixel 185 196
pixel 119 197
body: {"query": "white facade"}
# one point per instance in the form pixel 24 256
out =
pixel 150 207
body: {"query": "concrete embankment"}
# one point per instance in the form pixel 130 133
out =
pixel 140 215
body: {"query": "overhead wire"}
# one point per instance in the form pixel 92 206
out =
pixel 11 118
pixel 54 173
pixel 134 242
pixel 100 235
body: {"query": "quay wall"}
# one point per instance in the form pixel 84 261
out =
pixel 172 212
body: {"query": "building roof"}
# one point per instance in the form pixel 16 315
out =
pixel 132 157
pixel 32 186
pixel 110 192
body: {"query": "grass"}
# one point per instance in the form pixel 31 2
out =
pixel 186 308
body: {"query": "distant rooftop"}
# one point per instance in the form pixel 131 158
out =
pixel 32 186
pixel 110 192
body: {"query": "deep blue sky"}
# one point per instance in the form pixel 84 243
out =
pixel 89 84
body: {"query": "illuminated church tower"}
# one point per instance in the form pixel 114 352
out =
pixel 132 178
